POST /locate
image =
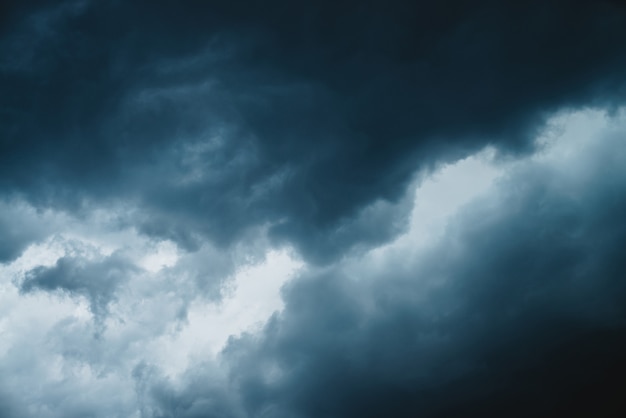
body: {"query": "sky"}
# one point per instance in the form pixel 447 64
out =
pixel 314 209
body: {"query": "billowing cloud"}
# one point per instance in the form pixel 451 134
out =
pixel 312 209
pixel 514 304
pixel 516 309
pixel 215 119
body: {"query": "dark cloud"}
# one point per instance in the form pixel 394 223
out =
pixel 234 128
pixel 215 118
pixel 517 311
pixel 97 280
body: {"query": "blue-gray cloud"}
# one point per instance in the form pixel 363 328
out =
pixel 518 310
pixel 251 125
pixel 96 280
pixel 18 231
pixel 217 118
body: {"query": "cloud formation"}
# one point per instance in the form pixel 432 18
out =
pixel 517 309
pixel 312 209
pixel 215 119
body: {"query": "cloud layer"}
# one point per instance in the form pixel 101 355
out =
pixel 216 119
pixel 312 209
pixel 517 309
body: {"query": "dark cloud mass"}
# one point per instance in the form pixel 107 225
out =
pixel 216 117
pixel 166 166
pixel 518 311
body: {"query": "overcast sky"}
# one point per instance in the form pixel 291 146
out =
pixel 325 209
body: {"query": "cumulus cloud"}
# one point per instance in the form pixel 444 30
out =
pixel 86 307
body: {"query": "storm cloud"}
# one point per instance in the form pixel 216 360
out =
pixel 312 209
pixel 517 310
pixel 214 119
